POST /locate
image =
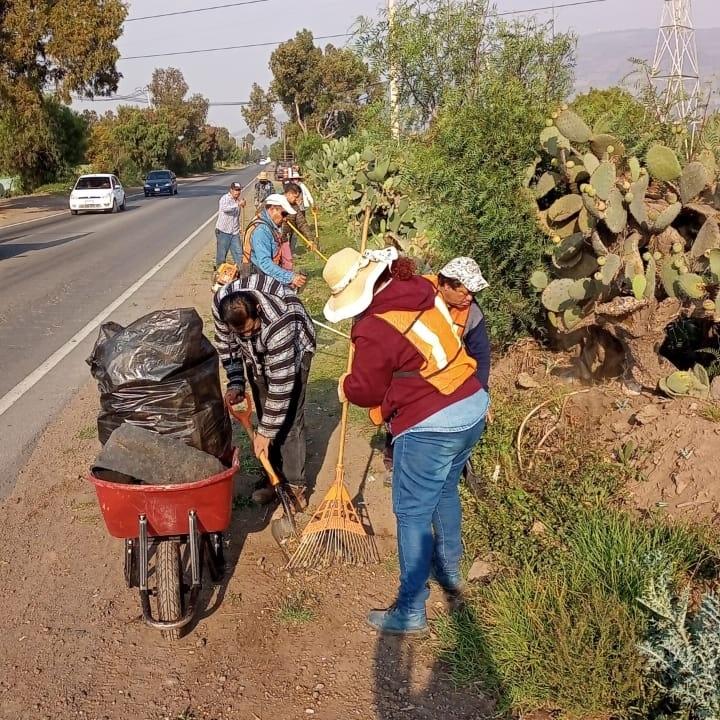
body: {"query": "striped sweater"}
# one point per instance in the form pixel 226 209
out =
pixel 275 353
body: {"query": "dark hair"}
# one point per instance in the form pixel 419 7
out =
pixel 292 187
pixel 452 282
pixel 237 308
pixel 402 269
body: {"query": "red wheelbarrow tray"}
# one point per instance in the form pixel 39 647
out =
pixel 166 507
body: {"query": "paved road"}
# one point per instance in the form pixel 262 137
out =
pixel 59 275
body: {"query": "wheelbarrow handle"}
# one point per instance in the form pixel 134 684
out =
pixel 244 417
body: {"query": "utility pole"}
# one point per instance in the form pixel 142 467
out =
pixel 394 100
pixel 675 70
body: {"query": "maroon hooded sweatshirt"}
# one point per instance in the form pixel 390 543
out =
pixel 381 351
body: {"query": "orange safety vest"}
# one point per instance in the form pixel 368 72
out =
pixel 446 364
pixel 247 240
pixel 459 315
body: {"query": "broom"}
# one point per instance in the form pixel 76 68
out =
pixel 335 532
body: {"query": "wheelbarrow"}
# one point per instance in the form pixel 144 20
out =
pixel 171 519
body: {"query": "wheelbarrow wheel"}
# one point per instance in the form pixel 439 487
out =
pixel 169 585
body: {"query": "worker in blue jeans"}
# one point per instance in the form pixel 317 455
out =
pixel 227 227
pixel 411 363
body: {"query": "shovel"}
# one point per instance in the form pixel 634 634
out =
pixel 283 529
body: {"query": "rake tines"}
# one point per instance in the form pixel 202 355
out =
pixel 335 533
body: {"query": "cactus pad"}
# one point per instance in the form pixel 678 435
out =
pixel 610 269
pixel 590 162
pixel 581 289
pixel 603 179
pixel 685 383
pixel 707 239
pixel 556 296
pixel 662 163
pixel 572 316
pixel 639 285
pixel 667 217
pixel 573 127
pixel 539 280
pixel 546 184
pixel 707 158
pixel 650 278
pixel 693 180
pixel 692 286
pixel 599 144
pixel 634 165
pixel 567 253
pixel 714 260
pixel 586 223
pixel 637 206
pixel 565 208
pixel 616 214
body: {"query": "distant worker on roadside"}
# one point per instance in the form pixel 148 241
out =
pixel 266 338
pixel 227 227
pixel 293 193
pixel 457 283
pixel 263 188
pixel 410 362
pixel 263 243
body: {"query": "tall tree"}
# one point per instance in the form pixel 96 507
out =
pixel 259 112
pixel 168 87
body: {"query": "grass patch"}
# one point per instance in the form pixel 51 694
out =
pixel 296 609
pixel 711 412
pixel 558 630
pixel 89 432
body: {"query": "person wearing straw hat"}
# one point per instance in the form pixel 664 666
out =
pixel 457 283
pixel 263 187
pixel 409 361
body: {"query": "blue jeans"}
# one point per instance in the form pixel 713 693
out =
pixel 426 472
pixel 225 242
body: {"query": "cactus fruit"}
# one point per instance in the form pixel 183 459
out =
pixel 603 180
pixel 570 164
pixel 556 240
pixel 678 247
pixel 657 255
pixel 671 198
pixel 600 145
pixel 639 285
pixel 549 122
pixel 626 186
pixel 707 239
pixel 634 165
pixel 647 257
pixel 539 280
pixel 573 127
pixel 546 184
pixel 601 206
pixel 629 197
pixel 667 217
pixel 590 207
pixel 663 164
pixel 692 285
pixel 616 215
pixel 555 162
pixel 601 260
pixel 709 305
pixel 556 296
pixel 598 276
pixel 693 180
pixel 564 208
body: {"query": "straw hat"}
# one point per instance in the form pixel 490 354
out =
pixel 351 278
pixel 263 176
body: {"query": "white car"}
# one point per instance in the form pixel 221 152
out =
pixel 264 161
pixel 103 192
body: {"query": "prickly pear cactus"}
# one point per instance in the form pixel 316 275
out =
pixel 643 232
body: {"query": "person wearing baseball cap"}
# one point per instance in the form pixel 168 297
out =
pixel 262 244
pixel 227 227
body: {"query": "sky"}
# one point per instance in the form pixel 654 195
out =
pixel 227 76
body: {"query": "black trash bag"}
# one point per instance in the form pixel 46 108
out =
pixel 161 373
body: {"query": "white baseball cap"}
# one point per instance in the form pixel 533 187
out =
pixel 280 201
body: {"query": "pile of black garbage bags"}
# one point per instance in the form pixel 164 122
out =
pixel 162 416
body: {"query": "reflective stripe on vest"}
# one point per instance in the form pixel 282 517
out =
pixel 446 365
pixel 459 315
pixel 247 241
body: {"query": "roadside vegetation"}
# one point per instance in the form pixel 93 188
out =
pixel 585 608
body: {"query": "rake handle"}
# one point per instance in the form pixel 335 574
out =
pixel 351 353
pixel 307 242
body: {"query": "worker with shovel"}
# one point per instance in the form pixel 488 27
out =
pixel 410 362
pixel 265 337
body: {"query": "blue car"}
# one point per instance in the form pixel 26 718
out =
pixel 160 182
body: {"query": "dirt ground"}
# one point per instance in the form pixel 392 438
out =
pixel 266 644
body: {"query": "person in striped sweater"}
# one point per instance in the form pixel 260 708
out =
pixel 266 338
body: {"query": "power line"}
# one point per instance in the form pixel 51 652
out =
pixel 228 47
pixel 196 10
pixel 552 7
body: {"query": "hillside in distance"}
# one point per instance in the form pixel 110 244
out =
pixel 602 58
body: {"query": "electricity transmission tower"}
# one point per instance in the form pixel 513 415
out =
pixel 675 70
